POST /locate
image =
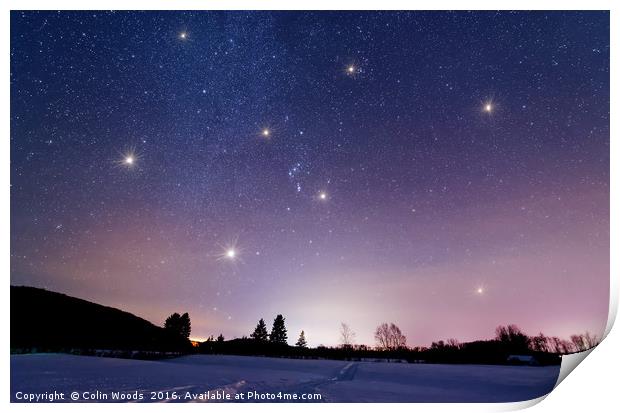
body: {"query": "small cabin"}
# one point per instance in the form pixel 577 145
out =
pixel 522 360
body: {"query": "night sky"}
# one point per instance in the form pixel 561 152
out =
pixel 448 172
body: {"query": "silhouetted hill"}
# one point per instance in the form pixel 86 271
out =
pixel 50 321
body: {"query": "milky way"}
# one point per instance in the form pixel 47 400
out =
pixel 445 171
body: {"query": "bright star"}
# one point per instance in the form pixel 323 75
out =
pixel 488 108
pixel 183 35
pixel 480 290
pixel 266 132
pixel 323 196
pixel 351 69
pixel 230 252
pixel 128 159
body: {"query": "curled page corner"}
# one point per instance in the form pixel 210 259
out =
pixel 511 407
pixel 569 362
pixel 613 306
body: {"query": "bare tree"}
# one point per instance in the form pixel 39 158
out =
pixel 554 345
pixel 590 340
pixel 382 336
pixel 399 340
pixel 539 343
pixel 347 336
pixel 454 343
pixel 582 342
pixel 578 342
pixel 566 347
pixel 389 337
pixel 512 337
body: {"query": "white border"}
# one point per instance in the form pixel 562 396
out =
pixel 592 388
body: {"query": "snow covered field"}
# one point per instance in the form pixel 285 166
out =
pixel 203 377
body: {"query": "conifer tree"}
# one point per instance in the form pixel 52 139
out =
pixel 301 341
pixel 260 332
pixel 173 324
pixel 185 325
pixel 278 330
pixel 179 325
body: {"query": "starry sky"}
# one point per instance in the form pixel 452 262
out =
pixel 446 171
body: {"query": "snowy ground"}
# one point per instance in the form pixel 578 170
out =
pixel 193 378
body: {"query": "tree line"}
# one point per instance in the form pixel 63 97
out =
pixel 390 341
